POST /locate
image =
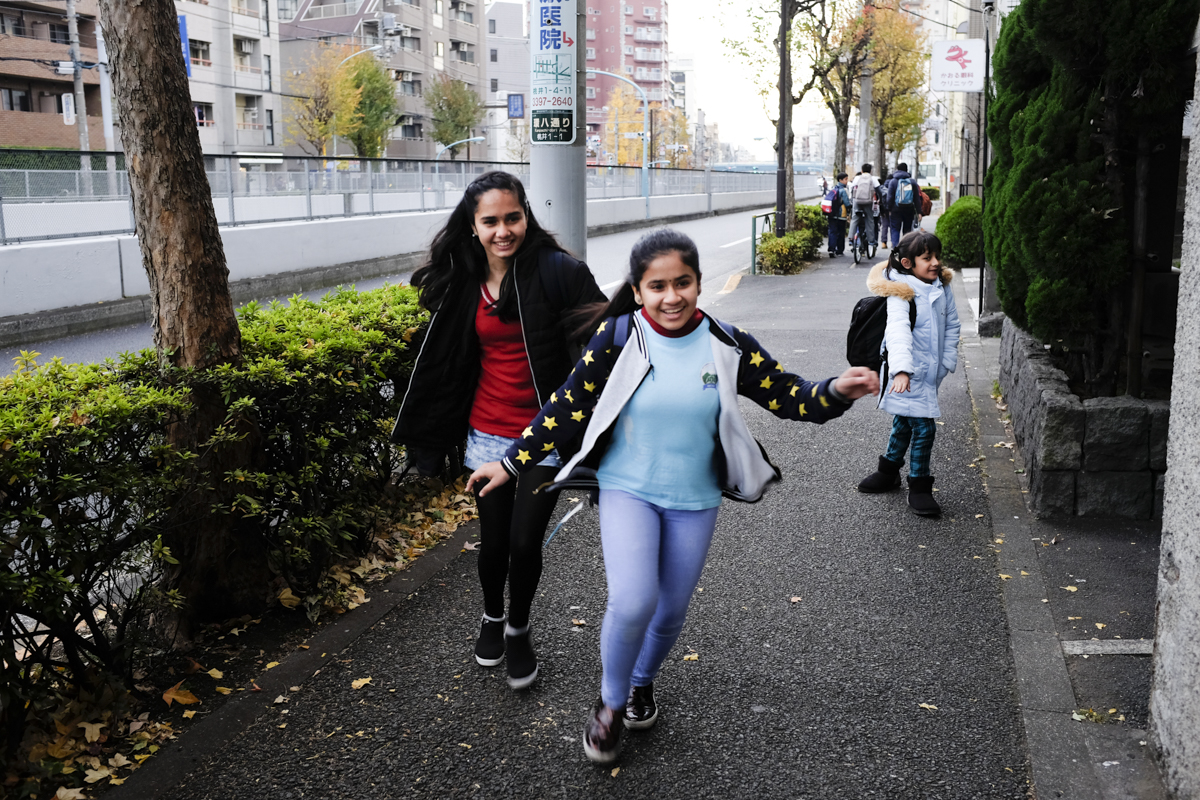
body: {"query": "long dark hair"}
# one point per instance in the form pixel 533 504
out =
pixel 657 243
pixel 915 243
pixel 456 256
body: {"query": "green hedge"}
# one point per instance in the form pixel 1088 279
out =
pixel 797 249
pixel 959 228
pixel 89 479
pixel 934 192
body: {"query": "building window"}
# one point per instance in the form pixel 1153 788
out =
pixel 200 53
pixel 59 34
pixel 410 86
pixel 629 50
pixel 15 100
pixel 591 53
pixel 649 13
pixel 628 9
pixel 591 93
pixel 409 127
pixel 204 115
pixel 465 55
pixel 410 43
pixel 591 34
pixel 495 84
pixel 437 6
pixel 628 30
pixel 493 55
pixel 491 26
pixel 270 126
pixel 439 49
pixel 414 3
pixel 11 25
pixel 628 70
pixel 267 71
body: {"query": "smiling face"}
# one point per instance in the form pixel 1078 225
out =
pixel 668 291
pixel 927 267
pixel 500 224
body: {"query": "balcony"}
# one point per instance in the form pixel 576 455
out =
pixel 334 10
pixel 244 10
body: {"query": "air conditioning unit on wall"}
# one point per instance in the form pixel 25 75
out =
pixel 406 76
pixel 245 46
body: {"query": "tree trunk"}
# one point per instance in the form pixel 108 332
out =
pixel 219 572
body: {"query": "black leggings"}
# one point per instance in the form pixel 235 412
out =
pixel 512 523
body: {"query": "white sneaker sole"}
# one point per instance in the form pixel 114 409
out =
pixel 641 725
pixel 488 662
pixel 599 756
pixel 521 683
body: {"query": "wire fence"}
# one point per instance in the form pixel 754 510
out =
pixel 64 194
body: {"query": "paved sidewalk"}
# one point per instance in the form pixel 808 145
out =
pixel 816 697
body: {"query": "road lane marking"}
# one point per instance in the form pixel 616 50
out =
pixel 739 241
pixel 732 283
pixel 1108 647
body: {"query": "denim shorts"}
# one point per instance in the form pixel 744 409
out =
pixel 484 447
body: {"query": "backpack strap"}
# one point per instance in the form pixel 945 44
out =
pixel 621 332
pixel 551 272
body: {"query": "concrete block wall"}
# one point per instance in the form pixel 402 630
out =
pixel 1101 457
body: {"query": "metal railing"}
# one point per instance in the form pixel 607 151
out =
pixel 65 194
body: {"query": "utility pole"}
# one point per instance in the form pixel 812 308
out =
pixel 558 126
pixel 865 92
pixel 110 138
pixel 81 119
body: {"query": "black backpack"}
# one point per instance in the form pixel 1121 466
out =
pixel 867 324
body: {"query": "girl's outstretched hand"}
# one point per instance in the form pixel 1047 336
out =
pixel 491 475
pixel 901 383
pixel 857 382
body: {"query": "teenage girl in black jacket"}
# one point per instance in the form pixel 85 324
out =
pixel 501 292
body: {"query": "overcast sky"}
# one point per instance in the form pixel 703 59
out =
pixel 724 87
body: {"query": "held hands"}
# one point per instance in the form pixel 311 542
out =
pixel 491 475
pixel 857 382
pixel 901 383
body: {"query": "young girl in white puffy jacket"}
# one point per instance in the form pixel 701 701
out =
pixel 921 352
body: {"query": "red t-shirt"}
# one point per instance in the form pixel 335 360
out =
pixel 505 400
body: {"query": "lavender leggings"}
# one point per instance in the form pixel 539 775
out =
pixel 653 557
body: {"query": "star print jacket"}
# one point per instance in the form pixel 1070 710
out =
pixel 614 364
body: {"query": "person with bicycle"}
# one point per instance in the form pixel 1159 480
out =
pixel 862 196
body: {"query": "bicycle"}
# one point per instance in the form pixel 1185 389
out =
pixel 859 247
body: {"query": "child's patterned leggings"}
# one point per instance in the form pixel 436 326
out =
pixel 918 430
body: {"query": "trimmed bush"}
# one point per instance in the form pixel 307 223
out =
pixel 89 481
pixel 811 218
pixel 959 229
pixel 934 193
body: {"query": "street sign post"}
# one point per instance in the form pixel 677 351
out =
pixel 553 77
pixel 516 106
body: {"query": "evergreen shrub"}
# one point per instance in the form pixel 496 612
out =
pixel 959 229
pixel 89 479
pixel 934 193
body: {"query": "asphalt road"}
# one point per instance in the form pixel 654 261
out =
pixel 824 620
pixel 724 241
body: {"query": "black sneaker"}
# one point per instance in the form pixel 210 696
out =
pixel 522 663
pixel 641 712
pixel 489 647
pixel 602 734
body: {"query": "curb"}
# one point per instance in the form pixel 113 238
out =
pixel 159 775
pixel 1062 764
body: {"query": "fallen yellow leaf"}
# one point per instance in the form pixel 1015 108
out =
pixel 224 690
pixel 1070 588
pixel 119 760
pixel 216 674
pixel 360 683
pixel 1112 711
pixel 692 657
pixel 579 623
pixel 928 707
pixel 1004 577
pixel 181 696
pixel 615 771
pixel 94 775
pixel 287 599
pixel 116 781
pixel 284 725
pixel 64 793
pixel 1101 625
pixel 273 665
pixel 91 730
pixel 999 541
pixel 1023 572
pixel 978 516
pixel 189 714
pixel 796 598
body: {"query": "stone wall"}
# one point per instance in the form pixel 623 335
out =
pixel 1104 457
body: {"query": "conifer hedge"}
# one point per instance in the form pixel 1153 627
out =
pixel 1076 84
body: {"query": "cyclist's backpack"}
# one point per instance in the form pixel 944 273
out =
pixel 827 201
pixel 926 205
pixel 904 193
pixel 868 321
pixel 862 190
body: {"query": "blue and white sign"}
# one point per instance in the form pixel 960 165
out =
pixel 516 106
pixel 552 103
pixel 187 47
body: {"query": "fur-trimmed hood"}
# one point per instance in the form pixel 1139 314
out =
pixel 880 284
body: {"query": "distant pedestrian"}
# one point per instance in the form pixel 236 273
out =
pixel 862 198
pixel 662 449
pixel 903 199
pixel 501 291
pixel 839 207
pixel 921 350
pixel 885 227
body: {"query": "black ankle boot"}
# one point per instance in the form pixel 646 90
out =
pixel 920 496
pixel 885 479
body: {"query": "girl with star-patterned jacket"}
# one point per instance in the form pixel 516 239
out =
pixel 656 396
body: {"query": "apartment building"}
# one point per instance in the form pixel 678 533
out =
pixel 33 39
pixel 507 69
pixel 234 79
pixel 628 40
pixel 418 39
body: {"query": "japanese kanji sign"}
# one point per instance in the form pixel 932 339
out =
pixel 552 101
pixel 957 66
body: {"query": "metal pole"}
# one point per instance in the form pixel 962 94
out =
pixel 229 181
pixel 785 106
pixel 421 182
pixel 753 245
pixel 371 186
pixel 3 235
pixel 106 112
pixel 307 189
pixel 982 146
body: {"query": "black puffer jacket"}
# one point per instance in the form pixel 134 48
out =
pixel 436 407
